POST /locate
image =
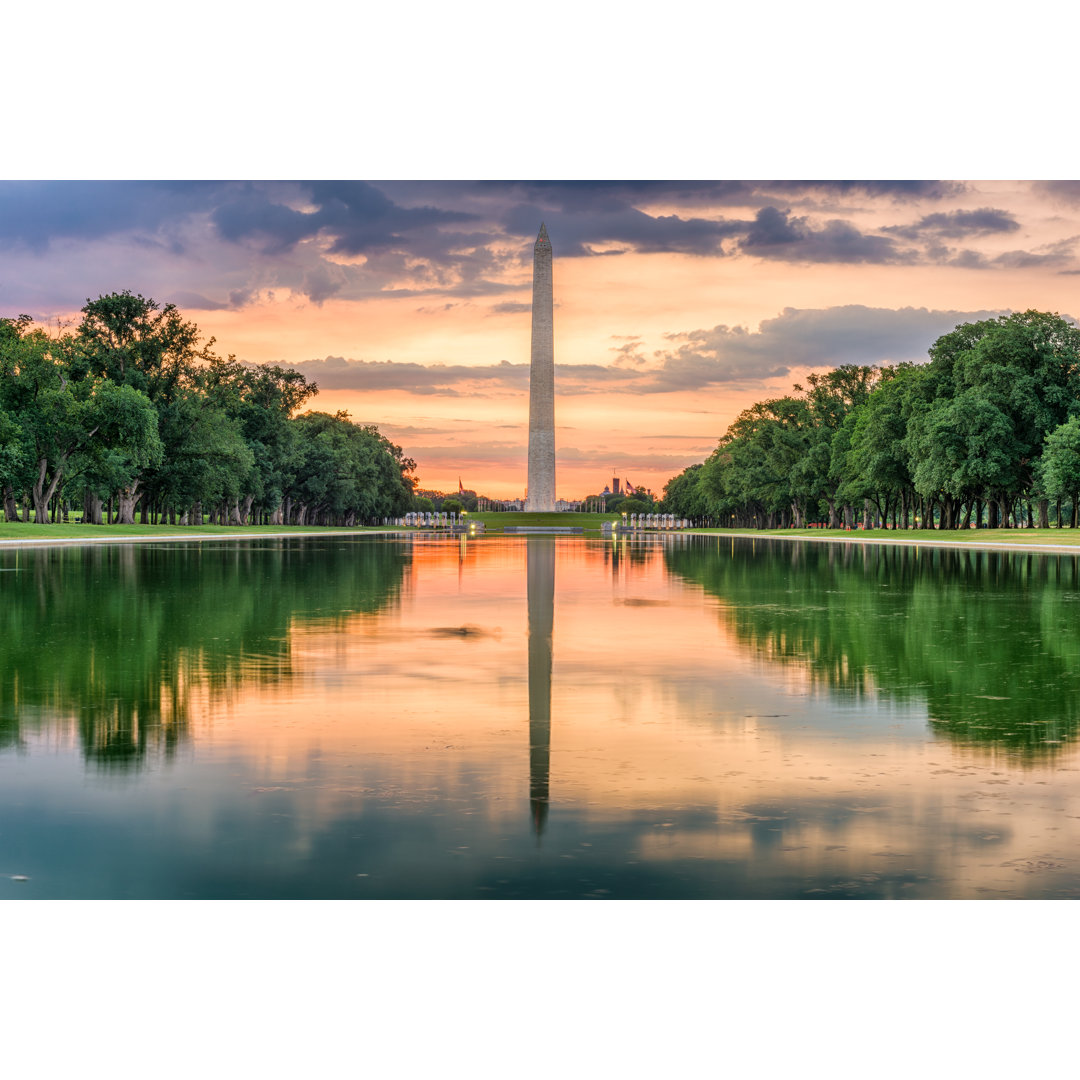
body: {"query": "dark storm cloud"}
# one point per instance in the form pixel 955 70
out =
pixel 222 244
pixel 1063 191
pixel 606 196
pixel 958 224
pixel 35 213
pixel 610 195
pixel 897 189
pixel 357 217
pixel 251 215
pixel 775 234
pixel 613 230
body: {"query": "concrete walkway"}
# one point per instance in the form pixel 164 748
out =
pixel 855 538
pixel 240 534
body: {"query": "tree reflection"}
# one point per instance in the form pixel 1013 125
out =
pixel 987 639
pixel 122 638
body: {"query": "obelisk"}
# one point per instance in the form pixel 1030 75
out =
pixel 541 489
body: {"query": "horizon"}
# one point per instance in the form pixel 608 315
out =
pixel 677 304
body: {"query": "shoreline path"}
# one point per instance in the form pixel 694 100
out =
pixel 241 534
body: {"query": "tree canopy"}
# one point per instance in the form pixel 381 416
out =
pixel 984 432
pixel 133 410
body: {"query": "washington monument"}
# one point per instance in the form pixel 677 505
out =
pixel 541 489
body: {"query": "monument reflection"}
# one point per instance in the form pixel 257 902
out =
pixel 540 578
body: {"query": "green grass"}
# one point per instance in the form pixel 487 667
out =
pixel 32 531
pixel 497 520
pixel 1069 537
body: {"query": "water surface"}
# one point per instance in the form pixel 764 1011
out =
pixel 538 717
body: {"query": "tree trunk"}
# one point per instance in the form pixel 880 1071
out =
pixel 1044 513
pixel 11 507
pixel 91 509
pixel 42 494
pixel 128 498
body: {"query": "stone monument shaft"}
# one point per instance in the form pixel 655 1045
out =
pixel 541 490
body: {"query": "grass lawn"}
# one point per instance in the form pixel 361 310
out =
pixel 1068 537
pixel 498 520
pixel 11 530
pixel 495 522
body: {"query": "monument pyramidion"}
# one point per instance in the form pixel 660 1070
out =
pixel 540 494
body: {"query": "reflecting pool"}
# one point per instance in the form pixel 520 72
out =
pixel 422 716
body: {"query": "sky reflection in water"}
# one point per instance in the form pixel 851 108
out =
pixel 681 717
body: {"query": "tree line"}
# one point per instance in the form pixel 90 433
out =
pixel 986 433
pixel 130 412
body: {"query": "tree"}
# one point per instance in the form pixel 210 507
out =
pixel 132 341
pixel 1058 472
pixel 683 495
pixel 873 459
pixel 344 473
pixel 61 421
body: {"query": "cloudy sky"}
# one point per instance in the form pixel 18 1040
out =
pixel 677 303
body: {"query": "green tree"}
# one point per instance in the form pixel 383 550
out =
pixel 62 421
pixel 1058 472
pixel 872 457
pixel 132 341
pixel 683 495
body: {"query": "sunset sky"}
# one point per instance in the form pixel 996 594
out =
pixel 677 304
